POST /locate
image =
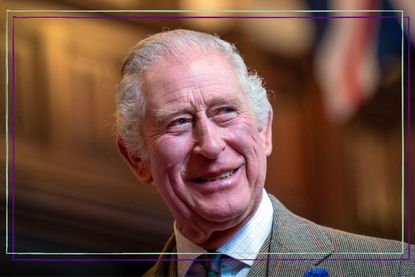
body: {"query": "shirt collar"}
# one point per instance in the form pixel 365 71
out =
pixel 244 245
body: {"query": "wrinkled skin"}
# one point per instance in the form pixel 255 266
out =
pixel 204 150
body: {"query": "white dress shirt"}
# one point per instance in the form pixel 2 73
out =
pixel 243 247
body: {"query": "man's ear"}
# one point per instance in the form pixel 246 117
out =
pixel 137 165
pixel 266 134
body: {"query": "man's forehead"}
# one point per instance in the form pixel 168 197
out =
pixel 190 83
pixel 188 106
pixel 172 76
pixel 188 60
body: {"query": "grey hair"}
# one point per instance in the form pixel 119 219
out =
pixel 173 44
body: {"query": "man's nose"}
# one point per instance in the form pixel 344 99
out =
pixel 208 139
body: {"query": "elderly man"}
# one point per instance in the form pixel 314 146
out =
pixel 193 122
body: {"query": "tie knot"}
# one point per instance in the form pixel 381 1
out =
pixel 212 262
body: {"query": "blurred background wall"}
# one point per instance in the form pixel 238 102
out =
pixel 337 133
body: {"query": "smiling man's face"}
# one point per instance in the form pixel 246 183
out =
pixel 204 151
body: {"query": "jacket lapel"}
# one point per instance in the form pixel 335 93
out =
pixel 294 242
pixel 260 266
pixel 166 264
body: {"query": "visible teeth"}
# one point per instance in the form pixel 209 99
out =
pixel 219 177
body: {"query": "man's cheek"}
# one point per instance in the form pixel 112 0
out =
pixel 244 140
pixel 170 152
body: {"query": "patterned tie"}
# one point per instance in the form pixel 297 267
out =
pixel 212 263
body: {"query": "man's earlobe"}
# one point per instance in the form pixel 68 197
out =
pixel 266 134
pixel 136 164
pixel 143 173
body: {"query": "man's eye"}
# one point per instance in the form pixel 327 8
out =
pixel 227 110
pixel 224 114
pixel 180 121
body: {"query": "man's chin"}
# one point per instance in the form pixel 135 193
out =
pixel 225 217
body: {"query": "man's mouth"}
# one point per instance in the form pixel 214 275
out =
pixel 221 176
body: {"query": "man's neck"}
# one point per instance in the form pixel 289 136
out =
pixel 213 239
pixel 244 245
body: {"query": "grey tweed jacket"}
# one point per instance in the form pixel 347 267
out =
pixel 296 246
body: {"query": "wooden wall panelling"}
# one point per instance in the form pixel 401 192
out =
pixel 76 181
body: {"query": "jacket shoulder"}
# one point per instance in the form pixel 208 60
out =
pixel 164 266
pixel 335 250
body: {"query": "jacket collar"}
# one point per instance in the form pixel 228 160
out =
pixel 294 238
pixel 291 238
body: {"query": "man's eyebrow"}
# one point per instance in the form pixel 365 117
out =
pixel 231 101
pixel 236 102
pixel 164 114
